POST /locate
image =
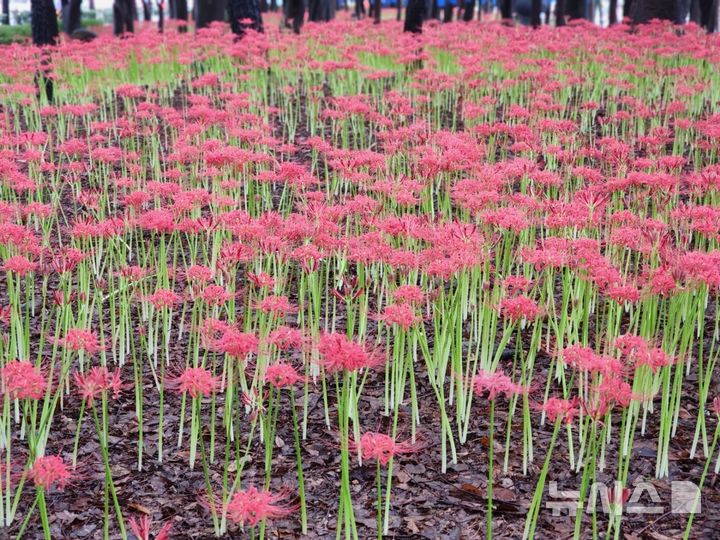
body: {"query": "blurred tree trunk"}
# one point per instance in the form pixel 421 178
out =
pixel 613 12
pixel 321 10
pixel 468 10
pixel 398 16
pixel 704 13
pixel 147 10
pixel 209 11
pixel 179 11
pixel 535 9
pixel 123 19
pixel 43 22
pixel 378 11
pixel 506 9
pixel 560 13
pixel 646 10
pixel 5 12
pixel 448 12
pixel 576 9
pixel 44 25
pixel 414 15
pixel 244 15
pixel 161 16
pixel 71 13
pixel 295 12
pixel 627 8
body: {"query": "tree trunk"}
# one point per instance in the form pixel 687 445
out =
pixel 535 9
pixel 43 21
pixel 5 12
pixel 360 8
pixel 147 10
pixel 613 12
pixel 704 13
pixel 378 11
pixel 646 10
pixel 71 13
pixel 180 13
pixel 448 12
pixel 560 13
pixel 398 16
pixel 506 9
pixel 627 8
pixel 161 16
pixel 642 11
pixel 244 10
pixel 209 11
pixel 321 10
pixel 44 26
pixel 295 12
pixel 123 20
pixel 576 9
pixel 468 9
pixel 414 15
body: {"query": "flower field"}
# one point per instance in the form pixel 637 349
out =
pixel 357 283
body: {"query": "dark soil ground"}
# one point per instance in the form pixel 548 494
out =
pixel 427 504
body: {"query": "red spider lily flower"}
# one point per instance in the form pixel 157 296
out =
pixel 96 381
pixel 584 359
pixel 5 314
pixel 79 339
pixel 519 308
pixel 22 380
pixel 383 448
pixel 281 375
pixel 402 315
pixel 159 221
pixel 619 496
pixel 163 298
pixel 67 260
pixel 662 282
pixel 494 384
pixel 515 284
pixel 212 329
pixel 341 354
pixel 252 506
pixel 198 273
pixel 197 382
pixel 237 344
pixel 278 305
pixel 132 273
pixel 260 280
pixel 716 406
pixel 285 338
pixel 614 391
pixel 410 294
pixel 637 351
pixel 561 408
pixel 215 295
pixel 49 471
pixel 141 529
pixel 19 265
